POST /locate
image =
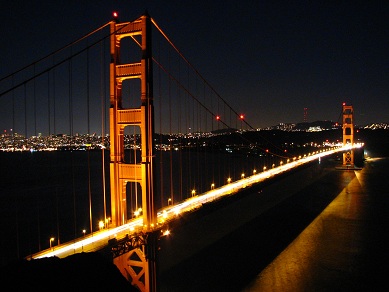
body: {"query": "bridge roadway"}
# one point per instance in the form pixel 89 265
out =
pixel 99 239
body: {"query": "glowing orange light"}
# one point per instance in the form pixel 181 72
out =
pixel 241 117
pixel 217 117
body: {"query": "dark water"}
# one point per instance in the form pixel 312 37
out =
pixel 319 229
pixel 46 194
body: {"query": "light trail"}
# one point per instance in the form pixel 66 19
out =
pixel 99 239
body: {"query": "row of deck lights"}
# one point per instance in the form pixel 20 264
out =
pixel 229 179
pixel 138 212
pixel 101 226
pixel 264 168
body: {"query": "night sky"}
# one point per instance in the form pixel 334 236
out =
pixel 268 59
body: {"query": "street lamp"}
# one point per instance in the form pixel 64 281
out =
pixel 51 240
pixel 229 180
pixel 242 175
pixel 101 224
pixel 212 186
pixel 137 212
pixel 193 192
pixel 264 168
pixel 83 231
pixel 254 171
pixel 107 221
pixel 169 202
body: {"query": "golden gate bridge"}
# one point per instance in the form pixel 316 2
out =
pixel 53 96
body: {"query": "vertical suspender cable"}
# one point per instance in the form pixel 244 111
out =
pixel 171 197
pixel 88 147
pixel 87 90
pixel 213 144
pixel 48 101
pixel 25 110
pixel 180 132
pixel 34 103
pixel 221 182
pixel 72 152
pixel 102 94
pixel 198 129
pixel 135 184
pixel 162 202
pixel 89 192
pixel 206 145
pixel 188 128
pixel 13 107
pixel 70 99
pixel 54 122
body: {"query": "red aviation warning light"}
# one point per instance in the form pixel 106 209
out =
pixel 241 117
pixel 218 118
pixel 115 15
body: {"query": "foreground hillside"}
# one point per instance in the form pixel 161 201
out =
pixel 79 272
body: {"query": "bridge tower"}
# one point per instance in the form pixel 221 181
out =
pixel 348 134
pixel 139 263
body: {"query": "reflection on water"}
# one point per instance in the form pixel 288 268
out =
pixel 334 252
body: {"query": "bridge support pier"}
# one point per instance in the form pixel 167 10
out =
pixel 136 258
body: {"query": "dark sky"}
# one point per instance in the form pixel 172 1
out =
pixel 268 59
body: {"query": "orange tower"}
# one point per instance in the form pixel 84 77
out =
pixel 139 263
pixel 348 134
pixel 120 172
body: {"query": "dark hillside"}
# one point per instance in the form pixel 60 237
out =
pixel 79 272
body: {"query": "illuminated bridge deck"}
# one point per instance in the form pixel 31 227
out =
pixel 99 240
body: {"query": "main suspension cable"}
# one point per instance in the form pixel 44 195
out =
pixel 195 70
pixel 55 52
pixel 61 62
pixel 209 85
